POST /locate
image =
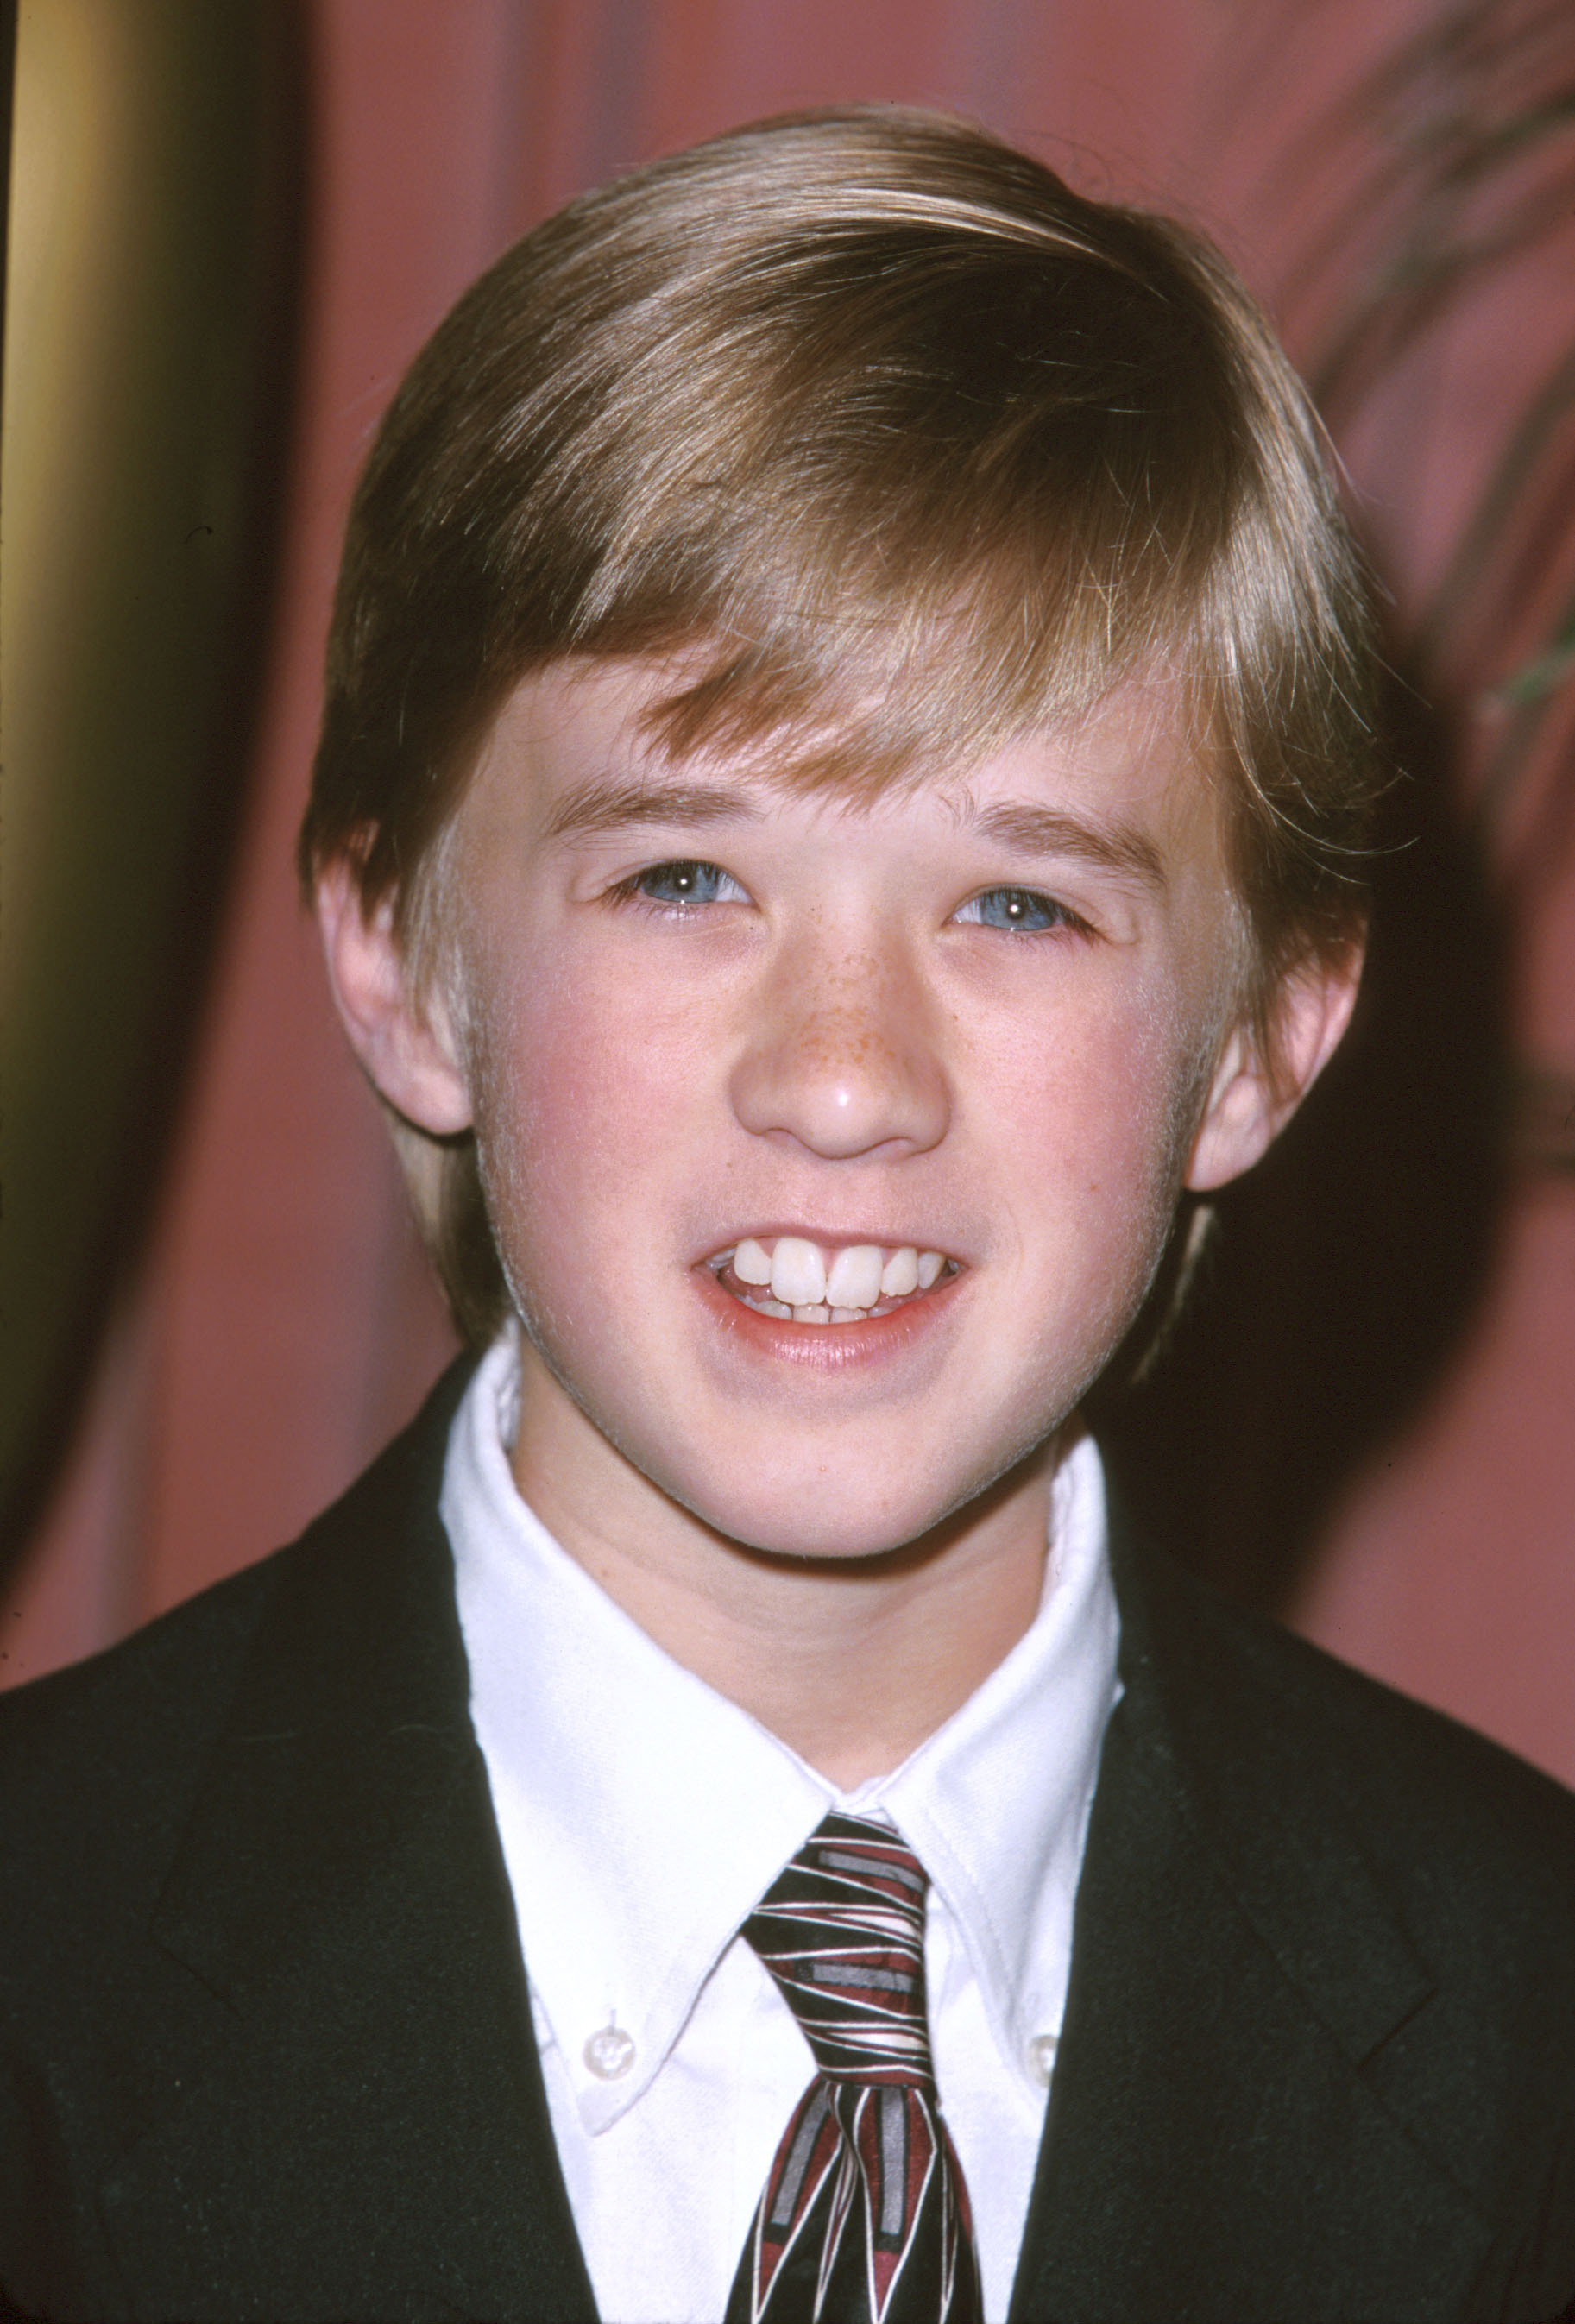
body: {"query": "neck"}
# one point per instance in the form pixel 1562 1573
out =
pixel 852 1662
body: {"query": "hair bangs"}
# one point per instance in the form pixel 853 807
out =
pixel 982 540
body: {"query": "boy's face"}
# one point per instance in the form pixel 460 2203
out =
pixel 991 1019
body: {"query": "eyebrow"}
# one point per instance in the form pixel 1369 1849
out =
pixel 601 805
pixel 1028 829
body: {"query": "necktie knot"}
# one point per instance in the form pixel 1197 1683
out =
pixel 843 1931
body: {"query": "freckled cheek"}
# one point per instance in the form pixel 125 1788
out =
pixel 1092 1174
pixel 582 1094
pixel 1094 1112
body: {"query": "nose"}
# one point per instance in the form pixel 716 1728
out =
pixel 841 1059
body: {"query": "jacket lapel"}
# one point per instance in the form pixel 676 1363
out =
pixel 364 2068
pixel 1219 2145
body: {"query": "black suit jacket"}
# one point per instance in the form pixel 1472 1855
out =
pixel 265 2044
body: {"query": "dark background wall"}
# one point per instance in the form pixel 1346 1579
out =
pixel 1368 1422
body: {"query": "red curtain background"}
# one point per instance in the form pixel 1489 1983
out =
pixel 281 1324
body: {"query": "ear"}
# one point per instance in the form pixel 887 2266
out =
pixel 1252 1096
pixel 407 1046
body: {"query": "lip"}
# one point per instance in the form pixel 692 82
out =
pixel 829 1348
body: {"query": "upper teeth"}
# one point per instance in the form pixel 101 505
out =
pixel 801 1275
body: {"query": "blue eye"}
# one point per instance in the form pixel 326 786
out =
pixel 685 881
pixel 1020 911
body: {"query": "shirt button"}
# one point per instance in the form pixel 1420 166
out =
pixel 610 2053
pixel 1042 2058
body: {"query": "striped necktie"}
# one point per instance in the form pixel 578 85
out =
pixel 865 2217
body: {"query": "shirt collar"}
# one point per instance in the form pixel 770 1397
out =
pixel 642 1815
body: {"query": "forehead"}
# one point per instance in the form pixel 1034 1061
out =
pixel 576 756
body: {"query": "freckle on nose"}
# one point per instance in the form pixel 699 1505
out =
pixel 833 1037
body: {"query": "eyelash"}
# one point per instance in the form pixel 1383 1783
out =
pixel 636 889
pixel 1021 902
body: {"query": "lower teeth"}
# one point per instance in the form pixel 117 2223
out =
pixel 764 1305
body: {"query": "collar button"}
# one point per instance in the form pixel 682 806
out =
pixel 610 2053
pixel 1040 2059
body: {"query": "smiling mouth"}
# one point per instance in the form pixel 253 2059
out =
pixel 797 1281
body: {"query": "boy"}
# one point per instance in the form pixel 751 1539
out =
pixel 841 805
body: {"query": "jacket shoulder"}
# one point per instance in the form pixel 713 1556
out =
pixel 98 1762
pixel 1344 1786
pixel 91 1757
pixel 1390 1762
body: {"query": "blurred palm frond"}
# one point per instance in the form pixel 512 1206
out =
pixel 1435 297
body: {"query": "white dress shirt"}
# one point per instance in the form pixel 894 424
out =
pixel 642 1816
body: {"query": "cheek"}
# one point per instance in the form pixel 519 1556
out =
pixel 1107 1102
pixel 1100 1119
pixel 581 1086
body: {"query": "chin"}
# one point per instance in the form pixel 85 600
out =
pixel 767 1536
pixel 811 1515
